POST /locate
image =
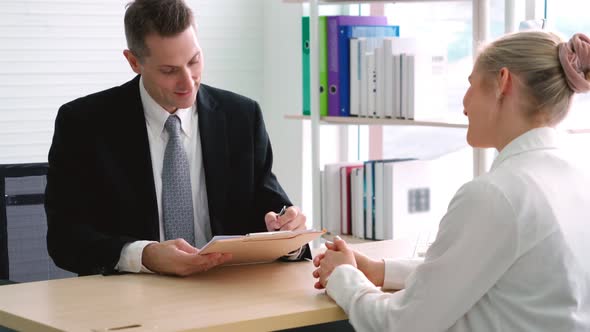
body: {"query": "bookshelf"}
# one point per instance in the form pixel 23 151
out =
pixel 348 120
pixel 348 2
pixel 480 21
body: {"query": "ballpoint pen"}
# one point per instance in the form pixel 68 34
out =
pixel 282 212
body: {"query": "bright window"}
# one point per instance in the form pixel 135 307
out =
pixel 568 17
pixel 564 19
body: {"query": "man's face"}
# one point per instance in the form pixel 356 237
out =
pixel 172 70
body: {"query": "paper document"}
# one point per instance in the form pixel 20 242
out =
pixel 259 247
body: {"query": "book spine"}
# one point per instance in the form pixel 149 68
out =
pixel 323 66
pixel 333 67
pixel 388 93
pixel 380 83
pixel 364 81
pixel 305 65
pixel 355 78
pixel 344 67
pixel 371 85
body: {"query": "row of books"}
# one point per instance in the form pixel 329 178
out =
pixel 383 77
pixel 383 199
pixel 365 68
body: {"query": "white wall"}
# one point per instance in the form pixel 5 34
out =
pixel 54 51
pixel 231 36
pixel 283 92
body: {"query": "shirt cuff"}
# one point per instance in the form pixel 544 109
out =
pixel 397 271
pixel 131 254
pixel 344 283
pixel 294 255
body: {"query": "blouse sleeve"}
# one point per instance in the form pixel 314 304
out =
pixel 475 245
pixel 397 271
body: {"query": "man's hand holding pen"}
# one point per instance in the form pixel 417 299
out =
pixel 288 219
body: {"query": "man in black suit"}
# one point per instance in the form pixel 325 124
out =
pixel 105 191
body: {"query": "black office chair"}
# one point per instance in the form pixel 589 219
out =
pixel 23 225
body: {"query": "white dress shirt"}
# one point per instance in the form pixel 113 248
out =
pixel 511 254
pixel 155 117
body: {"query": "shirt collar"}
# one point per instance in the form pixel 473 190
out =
pixel 156 115
pixel 534 139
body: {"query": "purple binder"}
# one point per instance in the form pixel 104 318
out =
pixel 333 26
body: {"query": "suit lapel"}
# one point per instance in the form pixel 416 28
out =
pixel 134 153
pixel 213 133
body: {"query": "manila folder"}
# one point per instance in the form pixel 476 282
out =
pixel 259 247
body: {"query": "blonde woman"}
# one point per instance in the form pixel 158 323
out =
pixel 512 251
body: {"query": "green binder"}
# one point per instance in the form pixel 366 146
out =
pixel 306 65
pixel 323 65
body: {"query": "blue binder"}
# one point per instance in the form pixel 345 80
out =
pixel 355 31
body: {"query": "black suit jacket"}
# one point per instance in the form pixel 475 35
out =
pixel 100 190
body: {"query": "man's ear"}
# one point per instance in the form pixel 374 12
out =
pixel 133 61
pixel 504 80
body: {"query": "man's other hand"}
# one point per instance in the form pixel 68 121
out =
pixel 178 257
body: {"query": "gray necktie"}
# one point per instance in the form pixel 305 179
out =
pixel 177 201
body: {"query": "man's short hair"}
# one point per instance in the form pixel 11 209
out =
pixel 166 18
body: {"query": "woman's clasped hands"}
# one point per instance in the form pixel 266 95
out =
pixel 339 253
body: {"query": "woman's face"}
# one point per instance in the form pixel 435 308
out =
pixel 480 107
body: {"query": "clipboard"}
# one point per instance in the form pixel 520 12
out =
pixel 259 247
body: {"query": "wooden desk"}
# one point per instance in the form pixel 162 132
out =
pixel 249 298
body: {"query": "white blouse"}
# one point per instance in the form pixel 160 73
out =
pixel 512 254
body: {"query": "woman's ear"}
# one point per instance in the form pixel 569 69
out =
pixel 504 80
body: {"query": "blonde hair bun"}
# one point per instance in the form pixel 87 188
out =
pixel 575 61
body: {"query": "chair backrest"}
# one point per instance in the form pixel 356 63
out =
pixel 23 225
